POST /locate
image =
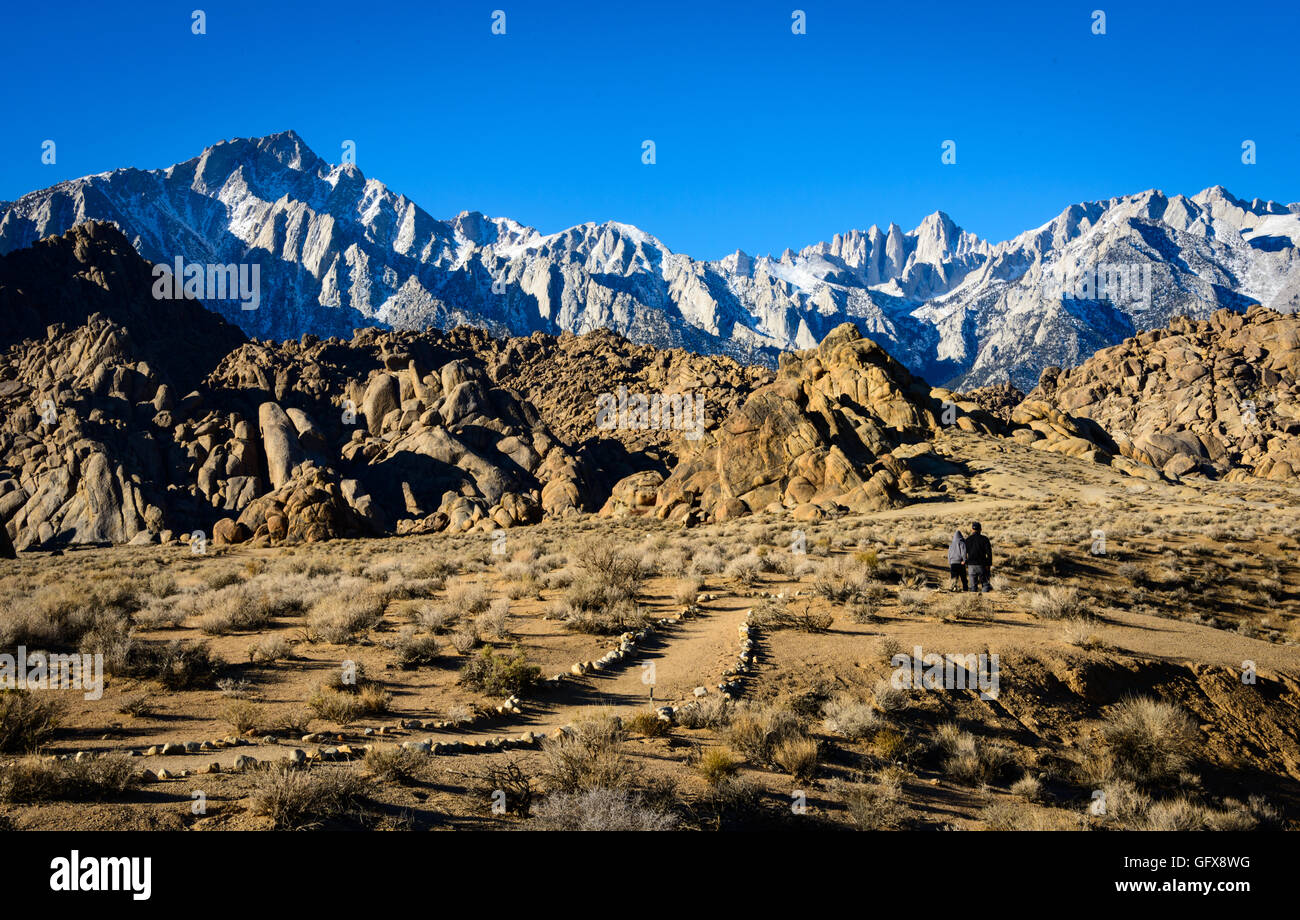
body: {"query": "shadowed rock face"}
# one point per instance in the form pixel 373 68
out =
pixel 93 269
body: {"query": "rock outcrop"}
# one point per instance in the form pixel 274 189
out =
pixel 818 439
pixel 1220 397
pixel 300 440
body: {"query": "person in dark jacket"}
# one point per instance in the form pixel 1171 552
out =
pixel 979 559
pixel 957 562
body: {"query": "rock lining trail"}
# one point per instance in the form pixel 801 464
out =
pixel 693 652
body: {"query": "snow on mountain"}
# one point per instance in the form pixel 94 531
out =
pixel 337 250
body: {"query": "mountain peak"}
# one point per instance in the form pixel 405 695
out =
pixel 285 147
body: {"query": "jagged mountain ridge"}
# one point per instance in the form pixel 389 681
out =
pixel 338 250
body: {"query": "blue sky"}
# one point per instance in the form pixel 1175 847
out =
pixel 764 139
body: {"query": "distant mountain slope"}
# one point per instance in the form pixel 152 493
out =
pixel 337 250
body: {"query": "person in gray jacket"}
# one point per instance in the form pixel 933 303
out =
pixel 957 562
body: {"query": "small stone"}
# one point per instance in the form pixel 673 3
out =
pixel 701 691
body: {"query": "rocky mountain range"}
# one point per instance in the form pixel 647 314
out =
pixel 337 251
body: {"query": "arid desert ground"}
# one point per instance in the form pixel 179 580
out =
pixel 637 673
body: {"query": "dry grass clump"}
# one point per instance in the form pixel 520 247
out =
pixel 600 809
pixel 1130 808
pixel 798 757
pixel 596 617
pixel 340 617
pixel 499 674
pixel 888 697
pixel 297 799
pixel 845 715
pixel 967 759
pixel 687 590
pixel 435 618
pixel 495 621
pixel 913 601
pixel 602 598
pixel 966 606
pixel 713 712
pixel 466 598
pixel 270 649
pixel 1147 741
pixel 58 615
pixel 864 607
pixel 395 764
pixel 773 613
pixel 243 716
pixel 587 756
pixel 27 721
pixel 465 638
pixel 842 578
pixel 1030 787
pixel 1022 816
pixel 647 723
pixel 756 731
pixel 136 706
pixel 876 805
pixel 746 570
pixel 1057 603
pixel 161 584
pixel 237 608
pixel 716 765
pixel 608 570
pixel 706 561
pixel 161 613
pixel 36 779
pixel 172 665
pixel 1081 632
pixel 413 650
pixel 345 703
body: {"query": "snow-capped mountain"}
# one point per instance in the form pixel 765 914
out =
pixel 337 250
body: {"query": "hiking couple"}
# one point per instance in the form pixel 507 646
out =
pixel 970 558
